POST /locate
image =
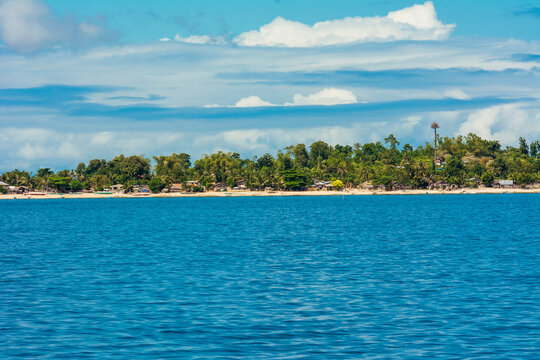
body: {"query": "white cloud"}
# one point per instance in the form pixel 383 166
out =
pixel 252 101
pixel 456 94
pixel 37 147
pixel 328 96
pixel 200 39
pixel 505 123
pixel 29 25
pixel 418 22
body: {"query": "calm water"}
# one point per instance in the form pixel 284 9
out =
pixel 364 277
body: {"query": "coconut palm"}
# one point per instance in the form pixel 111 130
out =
pixel 435 126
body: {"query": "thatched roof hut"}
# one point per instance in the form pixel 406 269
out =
pixel 440 185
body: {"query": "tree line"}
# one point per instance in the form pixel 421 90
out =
pixel 463 161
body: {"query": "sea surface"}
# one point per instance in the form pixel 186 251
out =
pixel 355 277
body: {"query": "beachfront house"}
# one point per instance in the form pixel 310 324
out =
pixel 140 189
pixel 241 184
pixel 18 189
pixel 322 185
pixel 176 188
pixel 504 183
pixel 119 188
pixel 220 187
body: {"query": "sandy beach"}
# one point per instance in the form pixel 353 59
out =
pixel 351 192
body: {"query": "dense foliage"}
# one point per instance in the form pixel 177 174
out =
pixel 462 161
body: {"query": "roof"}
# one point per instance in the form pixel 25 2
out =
pixel 3 183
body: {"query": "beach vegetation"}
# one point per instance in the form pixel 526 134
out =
pixel 156 184
pixel 462 161
pixel 60 183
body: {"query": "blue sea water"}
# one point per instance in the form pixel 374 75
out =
pixel 357 277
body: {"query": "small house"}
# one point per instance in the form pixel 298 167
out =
pixel 119 188
pixel 18 189
pixel 241 184
pixel 504 183
pixel 141 189
pixel 323 185
pixel 176 188
pixel 220 187
pixel 439 185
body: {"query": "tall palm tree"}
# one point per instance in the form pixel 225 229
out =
pixel 435 126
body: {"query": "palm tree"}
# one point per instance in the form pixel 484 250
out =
pixel 435 126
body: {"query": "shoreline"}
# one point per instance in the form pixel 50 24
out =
pixel 269 194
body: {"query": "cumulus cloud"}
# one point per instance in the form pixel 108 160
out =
pixel 327 96
pixel 418 22
pixel 29 25
pixel 504 122
pixel 252 101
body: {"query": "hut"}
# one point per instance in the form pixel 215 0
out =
pixel 119 188
pixel 176 188
pixel 439 185
pixel 241 184
pixel 18 189
pixel 4 188
pixel 141 189
pixel 367 185
pixel 508 184
pixel 220 187
pixel 322 185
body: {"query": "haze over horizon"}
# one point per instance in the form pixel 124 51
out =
pixel 83 80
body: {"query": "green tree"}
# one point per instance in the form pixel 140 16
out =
pixel 392 140
pixel 454 170
pixel 487 179
pixel 156 185
pixel 523 147
pixel 301 156
pixel 535 149
pixel 293 180
pixel 338 184
pixel 266 161
pixel 174 166
pixel 319 152
pixel 76 185
pixel 44 172
pixel 60 183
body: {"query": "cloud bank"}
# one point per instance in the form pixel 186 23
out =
pixel 418 22
pixel 29 25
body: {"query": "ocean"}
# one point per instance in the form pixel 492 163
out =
pixel 355 277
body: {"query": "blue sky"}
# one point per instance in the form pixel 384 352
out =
pixel 80 80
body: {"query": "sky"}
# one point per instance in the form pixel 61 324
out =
pixel 94 79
